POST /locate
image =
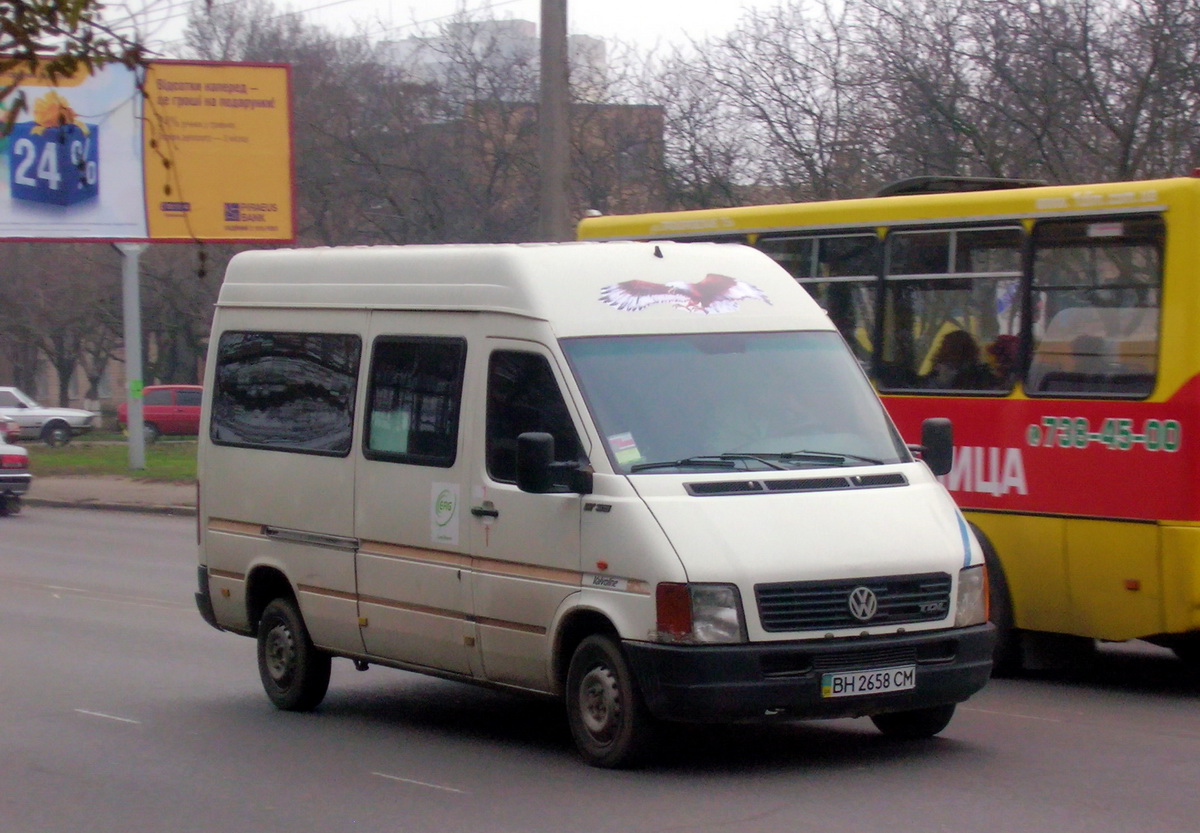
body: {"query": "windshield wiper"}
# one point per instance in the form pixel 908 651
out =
pixel 805 455
pixel 720 461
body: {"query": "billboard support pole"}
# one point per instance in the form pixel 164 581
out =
pixel 131 302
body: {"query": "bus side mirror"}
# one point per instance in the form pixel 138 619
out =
pixel 537 472
pixel 937 445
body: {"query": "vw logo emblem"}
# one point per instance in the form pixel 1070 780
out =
pixel 863 604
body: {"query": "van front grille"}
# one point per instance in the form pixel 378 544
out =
pixel 827 605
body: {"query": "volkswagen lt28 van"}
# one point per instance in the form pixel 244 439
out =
pixel 650 480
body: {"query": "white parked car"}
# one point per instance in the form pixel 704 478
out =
pixel 14 477
pixel 54 426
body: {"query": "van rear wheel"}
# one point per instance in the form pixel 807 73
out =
pixel 915 724
pixel 294 672
pixel 609 721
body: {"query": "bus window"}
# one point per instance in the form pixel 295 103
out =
pixel 1095 307
pixel 840 272
pixel 952 312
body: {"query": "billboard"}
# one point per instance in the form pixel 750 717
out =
pixel 177 152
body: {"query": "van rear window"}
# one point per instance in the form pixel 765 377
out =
pixel 286 391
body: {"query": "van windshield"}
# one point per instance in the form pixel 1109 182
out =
pixel 739 401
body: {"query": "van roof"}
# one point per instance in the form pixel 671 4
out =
pixel 580 288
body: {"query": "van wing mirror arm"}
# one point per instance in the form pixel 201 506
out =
pixel 538 473
pixel 578 476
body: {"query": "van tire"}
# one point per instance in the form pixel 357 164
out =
pixel 150 433
pixel 915 724
pixel 294 672
pixel 609 720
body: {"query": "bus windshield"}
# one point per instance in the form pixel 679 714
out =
pixel 742 401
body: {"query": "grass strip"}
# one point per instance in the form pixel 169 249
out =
pixel 172 461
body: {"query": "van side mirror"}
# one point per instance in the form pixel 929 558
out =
pixel 937 445
pixel 537 472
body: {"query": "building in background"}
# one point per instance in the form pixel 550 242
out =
pixel 495 46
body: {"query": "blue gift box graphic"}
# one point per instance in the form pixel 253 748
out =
pixel 55 165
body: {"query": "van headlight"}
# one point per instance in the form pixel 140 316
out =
pixel 972 605
pixel 699 613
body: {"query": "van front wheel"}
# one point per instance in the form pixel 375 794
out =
pixel 918 723
pixel 294 672
pixel 609 722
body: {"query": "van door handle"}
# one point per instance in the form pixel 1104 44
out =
pixel 485 512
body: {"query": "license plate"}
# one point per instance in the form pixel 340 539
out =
pixel 872 681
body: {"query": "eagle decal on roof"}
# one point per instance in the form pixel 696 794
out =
pixel 714 294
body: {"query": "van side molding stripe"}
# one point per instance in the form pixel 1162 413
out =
pixel 966 538
pixel 331 594
pixel 312 539
pixel 446 613
pixel 463 561
pixel 235 527
pixel 380 549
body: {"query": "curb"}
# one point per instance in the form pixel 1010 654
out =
pixel 146 508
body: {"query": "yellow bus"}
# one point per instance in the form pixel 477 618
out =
pixel 1059 328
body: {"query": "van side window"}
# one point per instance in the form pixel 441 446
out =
pixel 286 391
pixel 414 400
pixel 157 397
pixel 523 395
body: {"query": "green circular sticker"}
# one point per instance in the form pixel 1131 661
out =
pixel 443 508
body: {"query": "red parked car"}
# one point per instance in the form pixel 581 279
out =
pixel 167 409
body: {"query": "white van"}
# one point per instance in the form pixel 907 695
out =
pixel 648 479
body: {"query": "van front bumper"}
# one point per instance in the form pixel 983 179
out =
pixel 716 683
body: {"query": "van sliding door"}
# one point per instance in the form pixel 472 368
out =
pixel 413 560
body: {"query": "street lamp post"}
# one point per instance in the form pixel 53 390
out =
pixel 553 124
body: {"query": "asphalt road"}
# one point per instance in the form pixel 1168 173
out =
pixel 123 711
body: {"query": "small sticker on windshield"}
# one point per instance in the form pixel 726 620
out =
pixel 624 448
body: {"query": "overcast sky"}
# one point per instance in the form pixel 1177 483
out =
pixel 642 22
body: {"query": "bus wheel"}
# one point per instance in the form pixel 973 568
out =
pixel 295 674
pixel 610 724
pixel 1006 659
pixel 916 724
pixel 1187 648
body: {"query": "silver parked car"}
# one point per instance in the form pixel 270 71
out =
pixel 53 426
pixel 14 477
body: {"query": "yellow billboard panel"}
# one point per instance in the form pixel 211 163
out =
pixel 218 152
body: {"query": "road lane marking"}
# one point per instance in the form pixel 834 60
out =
pixel 1013 714
pixel 109 716
pixel 418 783
pixel 110 596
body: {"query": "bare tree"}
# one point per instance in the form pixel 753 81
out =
pixel 61 37
pixel 707 152
pixel 59 300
